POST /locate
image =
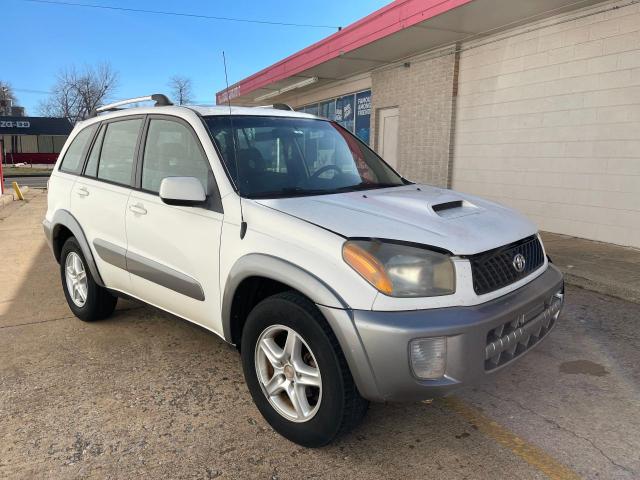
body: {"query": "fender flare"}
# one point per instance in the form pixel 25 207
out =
pixel 66 219
pixel 283 271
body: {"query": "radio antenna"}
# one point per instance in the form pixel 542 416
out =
pixel 243 224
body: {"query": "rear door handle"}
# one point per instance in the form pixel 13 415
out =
pixel 138 209
pixel 82 192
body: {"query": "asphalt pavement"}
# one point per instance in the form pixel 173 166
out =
pixel 144 394
pixel 29 180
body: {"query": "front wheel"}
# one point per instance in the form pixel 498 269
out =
pixel 296 372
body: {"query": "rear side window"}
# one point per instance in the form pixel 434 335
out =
pixel 118 151
pixel 172 151
pixel 74 156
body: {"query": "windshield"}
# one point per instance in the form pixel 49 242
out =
pixel 281 157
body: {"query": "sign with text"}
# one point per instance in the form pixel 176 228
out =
pixel 363 116
pixel 345 111
pixel 14 124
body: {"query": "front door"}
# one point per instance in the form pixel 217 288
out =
pixel 173 251
pixel 388 124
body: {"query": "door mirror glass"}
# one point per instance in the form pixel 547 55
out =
pixel 183 191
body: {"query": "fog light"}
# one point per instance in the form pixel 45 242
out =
pixel 428 357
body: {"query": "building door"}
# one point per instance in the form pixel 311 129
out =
pixel 388 123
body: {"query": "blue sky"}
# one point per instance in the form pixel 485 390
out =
pixel 146 50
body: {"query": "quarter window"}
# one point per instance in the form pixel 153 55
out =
pixel 172 151
pixel 118 151
pixel 73 157
pixel 91 169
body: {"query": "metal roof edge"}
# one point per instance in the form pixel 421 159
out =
pixel 390 19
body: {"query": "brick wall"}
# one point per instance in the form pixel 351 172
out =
pixel 423 94
pixel 548 121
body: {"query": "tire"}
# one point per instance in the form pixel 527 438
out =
pixel 335 407
pixel 96 303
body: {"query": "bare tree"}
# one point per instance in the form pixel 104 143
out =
pixel 7 98
pixel 181 89
pixel 77 94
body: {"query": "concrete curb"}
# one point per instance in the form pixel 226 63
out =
pixel 8 198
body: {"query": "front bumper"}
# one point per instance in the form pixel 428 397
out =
pixel 477 346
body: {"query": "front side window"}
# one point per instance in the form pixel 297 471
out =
pixel 280 156
pixel 74 156
pixel 118 151
pixel 171 150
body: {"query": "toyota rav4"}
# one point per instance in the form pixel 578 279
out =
pixel 339 281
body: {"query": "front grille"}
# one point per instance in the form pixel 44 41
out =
pixel 495 268
pixel 511 339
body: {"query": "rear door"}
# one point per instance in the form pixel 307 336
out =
pixel 173 251
pixel 63 178
pixel 99 197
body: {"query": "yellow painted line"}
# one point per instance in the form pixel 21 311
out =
pixel 16 189
pixel 527 452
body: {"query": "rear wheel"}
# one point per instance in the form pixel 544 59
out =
pixel 87 300
pixel 296 372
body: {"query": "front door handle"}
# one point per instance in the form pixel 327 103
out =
pixel 138 209
pixel 82 192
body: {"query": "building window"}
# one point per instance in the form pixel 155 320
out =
pixel 58 143
pixel 28 144
pixel 345 111
pixel 328 109
pixel 45 144
pixel 352 111
pixel 312 109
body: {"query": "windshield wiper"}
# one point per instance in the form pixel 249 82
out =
pixel 301 192
pixel 362 186
pixel 286 192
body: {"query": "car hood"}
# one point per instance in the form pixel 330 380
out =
pixel 462 224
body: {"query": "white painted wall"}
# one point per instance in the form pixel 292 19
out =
pixel 548 121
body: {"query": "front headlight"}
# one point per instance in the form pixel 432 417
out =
pixel 401 270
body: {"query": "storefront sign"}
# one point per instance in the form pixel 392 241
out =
pixel 345 111
pixel 14 124
pixel 363 116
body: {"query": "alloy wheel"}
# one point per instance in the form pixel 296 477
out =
pixel 76 278
pixel 288 373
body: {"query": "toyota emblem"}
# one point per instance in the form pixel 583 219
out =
pixel 519 262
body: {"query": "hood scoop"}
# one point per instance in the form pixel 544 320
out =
pixel 447 206
pixel 455 209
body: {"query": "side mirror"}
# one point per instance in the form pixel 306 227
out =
pixel 183 191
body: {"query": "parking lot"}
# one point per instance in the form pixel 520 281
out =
pixel 144 394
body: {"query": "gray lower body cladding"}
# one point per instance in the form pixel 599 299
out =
pixel 148 269
pixel 376 344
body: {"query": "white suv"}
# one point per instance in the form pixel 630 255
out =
pixel 339 281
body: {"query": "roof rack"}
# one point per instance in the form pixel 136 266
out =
pixel 160 99
pixel 278 106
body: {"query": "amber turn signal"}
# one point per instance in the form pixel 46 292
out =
pixel 368 267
